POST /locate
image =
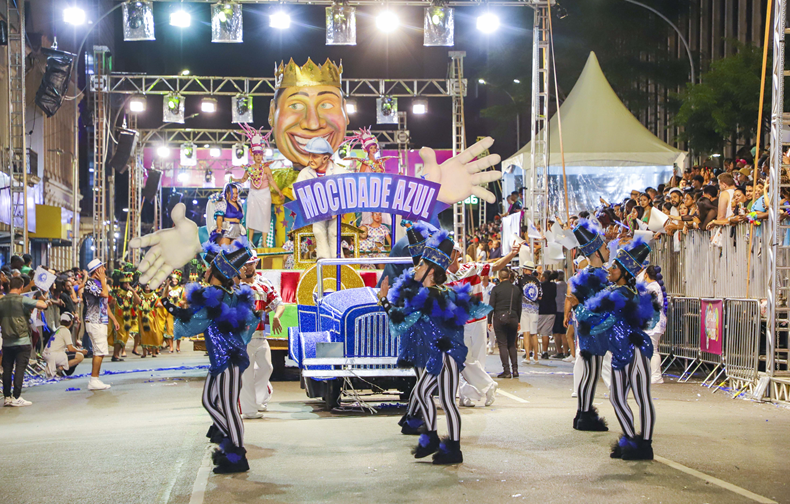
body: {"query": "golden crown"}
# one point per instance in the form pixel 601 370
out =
pixel 309 74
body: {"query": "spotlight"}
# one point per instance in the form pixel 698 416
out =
pixel 516 81
pixel 173 108
pixel 163 151
pixel 240 155
pixel 351 106
pixel 482 81
pixel 138 21
pixel 386 110
pixel 439 26
pixel 242 108
pixel 488 23
pixel 208 176
pixel 185 72
pixel 341 25
pixel 208 105
pixel 387 21
pixel 137 103
pixel 419 107
pixel 226 23
pixel 215 152
pixel 180 18
pixel 194 202
pixel 188 155
pixel 280 20
pixel 74 16
pixel 183 177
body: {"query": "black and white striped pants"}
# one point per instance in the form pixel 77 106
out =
pixel 414 406
pixel 636 375
pixel 221 400
pixel 592 371
pixel 447 381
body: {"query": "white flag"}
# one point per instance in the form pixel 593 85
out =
pixel 43 279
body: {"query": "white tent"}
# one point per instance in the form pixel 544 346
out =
pixel 608 151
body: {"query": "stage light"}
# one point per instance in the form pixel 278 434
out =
pixel 208 175
pixel 74 16
pixel 188 154
pixel 180 18
pixel 163 151
pixel 268 153
pixel 173 108
pixel 386 110
pixel 138 21
pixel 387 21
pixel 241 108
pixel 481 81
pixel 419 107
pixel 215 152
pixel 240 155
pixel 488 23
pixel 351 106
pixel 185 72
pixel 183 177
pixel 516 81
pixel 341 25
pixel 137 103
pixel 226 23
pixel 439 26
pixel 208 105
pixel 194 202
pixel 280 20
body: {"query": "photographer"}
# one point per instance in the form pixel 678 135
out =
pixel 60 354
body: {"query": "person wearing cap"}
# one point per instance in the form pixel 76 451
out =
pixel 623 312
pixel 96 293
pixel 531 294
pixel 224 313
pixel 256 389
pixel 320 164
pixel 591 348
pixel 60 355
pixel 435 316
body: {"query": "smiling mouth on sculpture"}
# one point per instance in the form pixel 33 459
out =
pixel 300 142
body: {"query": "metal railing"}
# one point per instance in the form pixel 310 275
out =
pixel 742 341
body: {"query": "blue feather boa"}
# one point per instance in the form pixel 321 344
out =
pixel 424 229
pixel 589 226
pixel 215 301
pixel 637 310
pixel 588 282
pixel 437 238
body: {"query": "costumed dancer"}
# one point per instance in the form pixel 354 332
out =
pixel 151 324
pixel 320 164
pixel 435 317
pixel 256 389
pixel 259 173
pixel 224 313
pixel 123 303
pixel 592 348
pixel 623 312
pixel 224 225
pixel 174 291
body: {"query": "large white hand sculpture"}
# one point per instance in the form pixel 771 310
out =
pixel 460 176
pixel 170 248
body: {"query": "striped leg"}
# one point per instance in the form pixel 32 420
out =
pixel 592 371
pixel 639 375
pixel 618 395
pixel 425 387
pixel 448 386
pixel 210 395
pixel 229 388
pixel 414 406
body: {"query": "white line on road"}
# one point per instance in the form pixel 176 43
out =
pixel 511 396
pixel 201 480
pixel 716 481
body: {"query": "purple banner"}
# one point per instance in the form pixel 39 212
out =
pixel 322 198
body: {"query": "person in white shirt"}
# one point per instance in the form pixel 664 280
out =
pixel 652 277
pixel 60 354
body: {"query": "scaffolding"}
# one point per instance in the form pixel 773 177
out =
pixel 101 107
pixel 16 157
pixel 458 92
pixel 134 205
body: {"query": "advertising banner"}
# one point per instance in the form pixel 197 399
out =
pixel 711 325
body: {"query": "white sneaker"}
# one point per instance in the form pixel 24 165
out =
pixel 491 394
pixel 534 361
pixel 467 402
pixel 19 402
pixel 252 416
pixel 263 407
pixel 569 358
pixel 97 384
pixel 7 401
pixel 574 394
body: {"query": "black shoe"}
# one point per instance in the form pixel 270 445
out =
pixel 413 426
pixel 403 419
pixel 116 359
pixel 217 437
pixel 544 355
pixel 643 450
pixel 225 466
pixel 449 453
pixel 503 374
pixel 515 374
pixel 211 430
pixel 216 455
pixel 558 356
pixel 576 418
pixel 621 445
pixel 590 421
pixel 427 445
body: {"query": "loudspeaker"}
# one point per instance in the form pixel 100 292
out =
pixel 127 141
pixel 151 185
pixel 55 82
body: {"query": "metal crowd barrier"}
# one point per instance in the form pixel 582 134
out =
pixel 701 269
pixel 683 322
pixel 742 342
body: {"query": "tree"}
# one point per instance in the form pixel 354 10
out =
pixel 723 107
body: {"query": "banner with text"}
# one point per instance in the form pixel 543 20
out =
pixel 323 198
pixel 711 323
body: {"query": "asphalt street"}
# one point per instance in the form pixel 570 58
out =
pixel 143 442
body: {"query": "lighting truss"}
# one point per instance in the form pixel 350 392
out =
pixel 405 3
pixel 224 137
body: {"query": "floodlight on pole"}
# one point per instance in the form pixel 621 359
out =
pixel 351 107
pixel 419 107
pixel 387 21
pixel 137 104
pixel 208 105
pixel 215 152
pixel 74 16
pixel 180 18
pixel 488 23
pixel 163 151
pixel 280 20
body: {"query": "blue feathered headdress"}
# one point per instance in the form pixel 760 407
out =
pixel 633 256
pixel 438 249
pixel 589 236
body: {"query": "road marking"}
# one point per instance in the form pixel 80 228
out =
pixel 201 480
pixel 511 396
pixel 716 481
pixel 165 495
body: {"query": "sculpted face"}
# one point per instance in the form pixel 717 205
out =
pixel 302 113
